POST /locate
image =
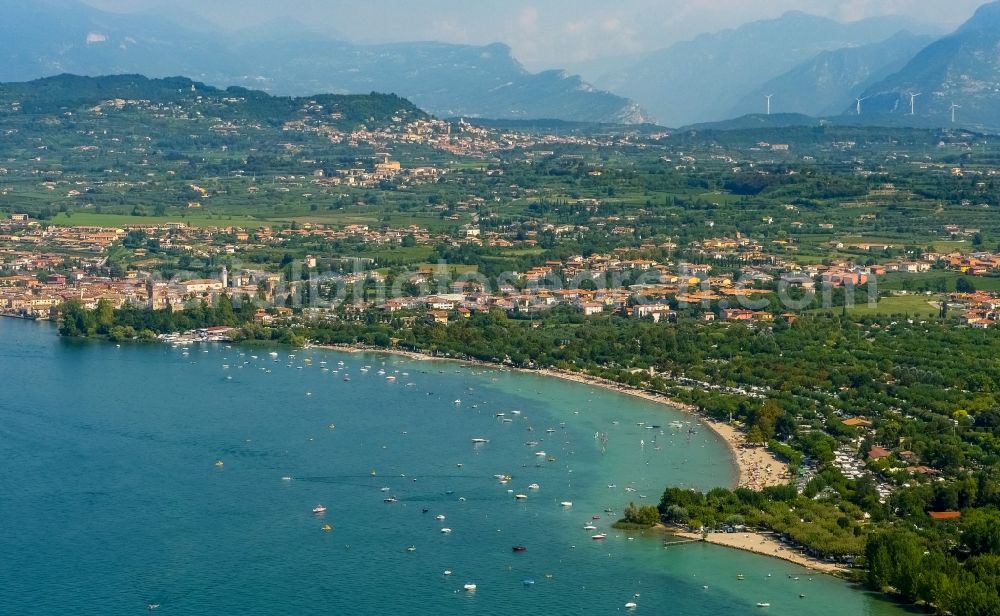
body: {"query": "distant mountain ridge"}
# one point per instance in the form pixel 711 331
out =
pixel 832 80
pixel 709 77
pixel 48 37
pixel 961 69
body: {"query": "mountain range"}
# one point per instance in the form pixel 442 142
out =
pixel 711 76
pixel 807 65
pixel 48 37
pixel 961 69
pixel 823 85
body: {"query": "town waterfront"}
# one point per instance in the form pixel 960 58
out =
pixel 153 474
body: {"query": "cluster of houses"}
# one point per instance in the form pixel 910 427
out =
pixel 978 310
pixel 727 277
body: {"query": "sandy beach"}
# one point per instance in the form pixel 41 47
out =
pixel 766 545
pixel 757 466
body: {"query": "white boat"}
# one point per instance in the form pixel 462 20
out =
pixel 446 530
pixel 385 489
pixel 439 517
pixel 589 527
pixel 469 587
pixel 630 605
pixel 447 571
pixel 599 536
pixel 273 354
pixel 520 496
pixel 763 604
pixel 540 454
pixel 478 441
pixel 286 478
pixel 319 509
pixel 566 503
pixel 534 486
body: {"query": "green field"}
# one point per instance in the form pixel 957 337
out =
pixel 935 280
pixel 90 219
pixel 913 305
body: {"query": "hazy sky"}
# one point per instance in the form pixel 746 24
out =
pixel 543 33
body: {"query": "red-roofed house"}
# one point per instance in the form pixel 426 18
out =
pixel 945 515
pixel 877 453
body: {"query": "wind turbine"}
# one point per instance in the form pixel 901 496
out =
pixel 913 97
pixel 859 103
pixel 768 97
pixel 953 108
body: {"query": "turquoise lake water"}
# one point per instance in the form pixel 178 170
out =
pixel 111 499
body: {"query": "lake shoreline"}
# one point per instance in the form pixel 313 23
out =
pixel 764 544
pixel 757 468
